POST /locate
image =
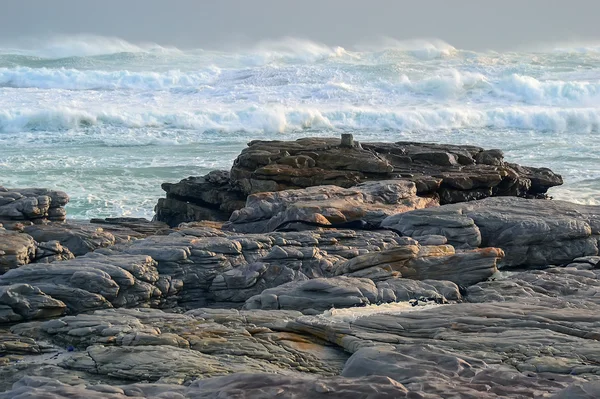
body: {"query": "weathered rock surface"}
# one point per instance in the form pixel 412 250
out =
pixel 16 249
pixel 207 197
pixel 370 202
pixel 23 302
pixel 94 281
pixel 539 346
pixel 248 385
pixel 226 269
pixel 32 204
pixel 152 345
pixel 531 232
pixel 125 229
pixel 457 173
pixel 79 238
pixel 318 295
pixel 450 173
pixel 417 308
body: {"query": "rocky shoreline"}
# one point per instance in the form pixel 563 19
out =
pixel 313 268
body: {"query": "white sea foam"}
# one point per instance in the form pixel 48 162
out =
pixel 303 83
pixel 73 108
pixel 279 119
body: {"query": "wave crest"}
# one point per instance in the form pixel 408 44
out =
pixel 283 119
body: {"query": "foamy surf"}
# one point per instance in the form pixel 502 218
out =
pixel 89 114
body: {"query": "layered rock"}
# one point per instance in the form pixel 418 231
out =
pixel 79 238
pixel 456 173
pixel 91 282
pixel 532 233
pixel 448 172
pixel 15 249
pixel 408 303
pixel 369 202
pixel 125 229
pixel 207 197
pixel 20 302
pixel 226 269
pixel 541 345
pixel 150 345
pixel 318 295
pixel 32 204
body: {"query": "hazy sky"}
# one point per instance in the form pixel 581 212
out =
pixel 467 24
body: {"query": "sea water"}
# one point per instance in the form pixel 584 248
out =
pixel 108 121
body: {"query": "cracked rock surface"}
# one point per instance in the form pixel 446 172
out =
pixel 486 299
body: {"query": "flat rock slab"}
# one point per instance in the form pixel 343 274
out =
pixel 531 232
pixel 370 202
pixel 152 345
pixel 79 238
pixel 318 295
pixel 246 385
pixel 459 349
pixel 125 229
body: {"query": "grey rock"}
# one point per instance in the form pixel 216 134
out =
pixel 207 197
pixel 318 295
pixel 16 249
pixel 97 281
pixel 24 302
pixel 79 238
pixel 531 232
pixel 32 204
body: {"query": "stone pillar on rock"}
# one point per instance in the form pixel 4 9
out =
pixel 347 141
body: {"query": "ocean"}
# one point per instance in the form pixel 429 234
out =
pixel 108 121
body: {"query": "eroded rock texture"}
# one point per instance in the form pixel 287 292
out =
pixel 531 232
pixel 445 172
pixel 409 303
pixel 32 204
pixel 369 202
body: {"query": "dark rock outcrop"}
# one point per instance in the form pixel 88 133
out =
pixel 209 197
pixel 448 172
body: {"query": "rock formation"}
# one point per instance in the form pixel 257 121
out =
pixel 450 173
pixel 408 304
pixel 32 204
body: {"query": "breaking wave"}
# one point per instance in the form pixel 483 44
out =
pixel 282 120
